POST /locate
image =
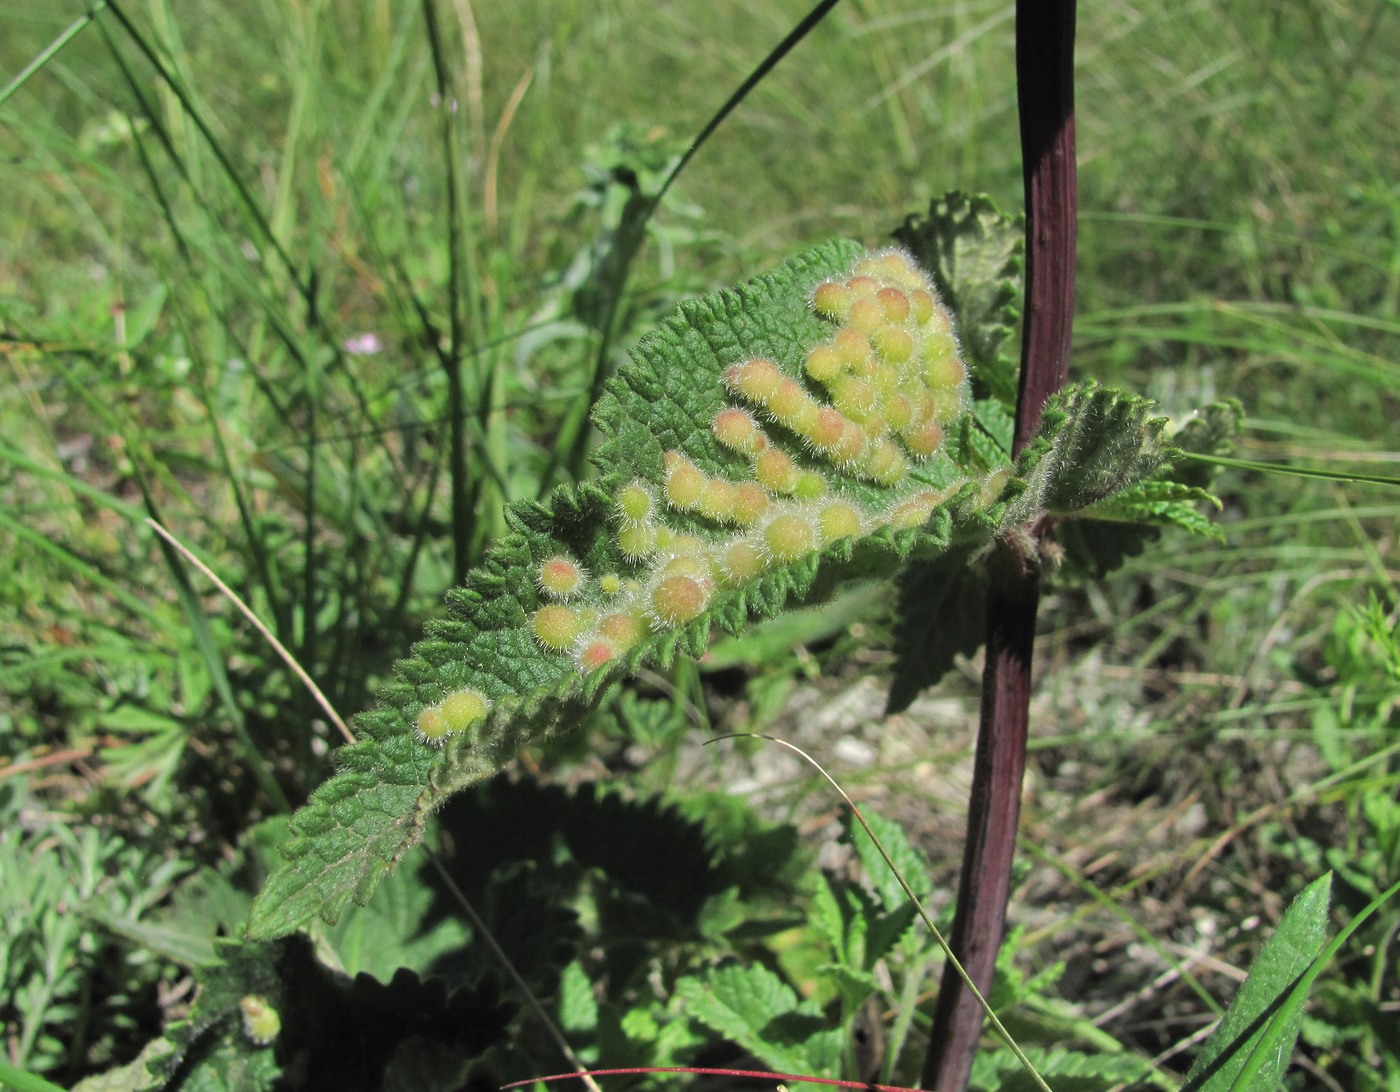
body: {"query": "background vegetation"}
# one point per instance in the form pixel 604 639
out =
pixel 325 337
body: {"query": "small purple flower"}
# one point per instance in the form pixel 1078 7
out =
pixel 363 344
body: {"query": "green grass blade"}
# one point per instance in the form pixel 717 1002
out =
pixel 1293 471
pixel 51 50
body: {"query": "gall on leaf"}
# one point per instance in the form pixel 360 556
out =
pixel 561 577
pixel 261 1022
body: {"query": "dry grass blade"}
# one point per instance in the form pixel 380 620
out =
pixel 278 646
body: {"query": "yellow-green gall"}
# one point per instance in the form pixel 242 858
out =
pixel 837 520
pixel 757 380
pixel 431 725
pixel 560 577
pixel 884 463
pixel 750 503
pixel 893 343
pixel 851 346
pixel 915 511
pixel 810 485
pixel 737 430
pixel 557 627
pixel 922 306
pixel 595 654
pixel 622 628
pixel 862 286
pixel 742 559
pixel 866 315
pixel 823 364
pixel 776 471
pixel 637 541
pixel 261 1022
pixel 634 503
pixel 677 599
pixel 685 482
pixel 790 536
pixel 695 566
pixel 462 709
pixel 830 299
pixel 791 406
pixel 717 501
pixel 894 303
pixel 923 439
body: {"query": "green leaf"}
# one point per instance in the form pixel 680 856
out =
pixel 578 1007
pixel 849 462
pixel 757 1010
pixel 1093 443
pixel 1157 503
pixel 953 593
pixel 910 862
pixel 1251 1047
pixel 11 1076
pixel 360 824
pixel 974 253
pixel 1211 432
pixel 1064 1070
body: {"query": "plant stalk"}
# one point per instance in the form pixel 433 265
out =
pixel 1045 99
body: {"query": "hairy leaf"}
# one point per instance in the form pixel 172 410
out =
pixel 1094 442
pixel 764 444
pixel 974 252
pixel 954 592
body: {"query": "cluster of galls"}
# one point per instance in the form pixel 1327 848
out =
pixel 893 379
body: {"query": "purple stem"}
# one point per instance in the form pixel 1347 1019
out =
pixel 1045 97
